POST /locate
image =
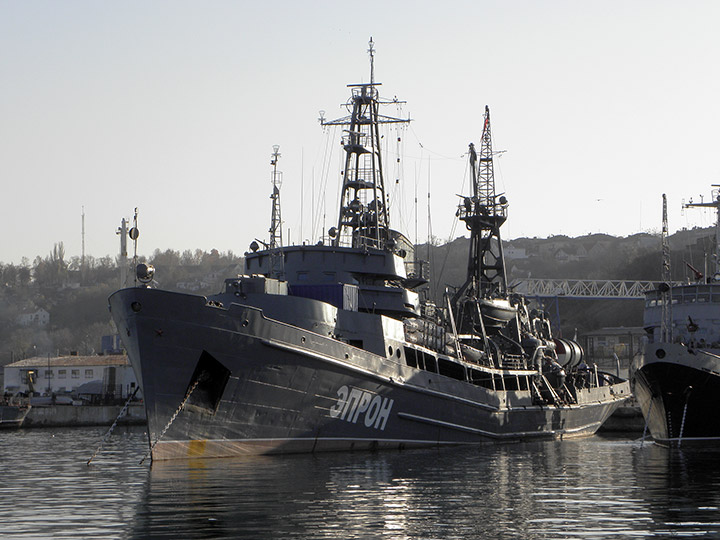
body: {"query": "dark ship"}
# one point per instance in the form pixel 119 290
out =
pixel 677 384
pixel 329 347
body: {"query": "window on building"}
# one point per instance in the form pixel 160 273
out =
pixel 49 374
pixel 62 374
pixel 88 373
pixel 75 373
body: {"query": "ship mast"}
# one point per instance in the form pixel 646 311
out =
pixel 363 218
pixel 666 277
pixel 715 203
pixel 483 214
pixel 276 218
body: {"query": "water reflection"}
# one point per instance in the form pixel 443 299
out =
pixel 48 491
pixel 592 488
pixel 682 489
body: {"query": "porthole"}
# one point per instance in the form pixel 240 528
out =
pixel 660 353
pixel 390 350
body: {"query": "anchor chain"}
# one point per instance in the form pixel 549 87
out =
pixel 682 423
pixel 122 412
pixel 646 422
pixel 172 419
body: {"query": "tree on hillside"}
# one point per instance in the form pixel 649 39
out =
pixel 24 276
pixel 9 275
pixel 52 270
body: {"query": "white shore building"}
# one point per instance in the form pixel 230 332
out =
pixel 66 375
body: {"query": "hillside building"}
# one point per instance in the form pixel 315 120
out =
pixel 35 318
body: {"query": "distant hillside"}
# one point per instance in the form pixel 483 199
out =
pixel 55 306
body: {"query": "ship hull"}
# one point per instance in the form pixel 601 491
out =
pixel 678 389
pixel 227 381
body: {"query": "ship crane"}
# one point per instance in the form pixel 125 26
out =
pixel 483 213
pixel 665 288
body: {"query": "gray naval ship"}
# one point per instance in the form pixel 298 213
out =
pixel 329 347
pixel 677 382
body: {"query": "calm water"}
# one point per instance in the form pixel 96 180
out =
pixel 592 488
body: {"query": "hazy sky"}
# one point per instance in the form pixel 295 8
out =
pixel 173 107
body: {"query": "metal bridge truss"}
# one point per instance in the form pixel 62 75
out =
pixel 582 288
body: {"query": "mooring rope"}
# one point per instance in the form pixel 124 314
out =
pixel 122 412
pixel 172 419
pixel 647 420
